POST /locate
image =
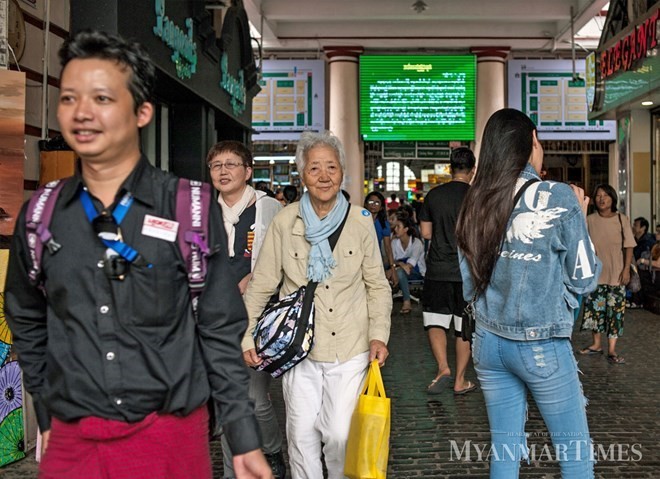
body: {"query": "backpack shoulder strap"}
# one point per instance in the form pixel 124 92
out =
pixel 37 222
pixel 193 202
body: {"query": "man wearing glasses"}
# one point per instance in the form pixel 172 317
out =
pixel 118 365
pixel 246 213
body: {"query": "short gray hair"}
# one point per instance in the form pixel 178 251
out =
pixel 311 139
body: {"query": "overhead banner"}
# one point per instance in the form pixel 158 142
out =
pixel 556 100
pixel 12 147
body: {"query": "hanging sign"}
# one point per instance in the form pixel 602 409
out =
pixel 634 46
pixel 234 86
pixel 184 49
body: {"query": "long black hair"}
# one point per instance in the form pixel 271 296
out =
pixel 505 150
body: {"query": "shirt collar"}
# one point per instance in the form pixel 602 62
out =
pixel 529 172
pixel 137 183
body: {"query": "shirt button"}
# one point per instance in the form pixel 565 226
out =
pixel 532 334
pixel 118 401
pixel 333 333
pixel 104 309
pixel 327 287
pixel 330 310
pixel 100 263
pixel 110 356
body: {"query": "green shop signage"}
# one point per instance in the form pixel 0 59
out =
pixel 184 49
pixel 234 86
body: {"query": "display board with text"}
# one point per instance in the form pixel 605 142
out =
pixel 417 97
pixel 555 99
pixel 291 99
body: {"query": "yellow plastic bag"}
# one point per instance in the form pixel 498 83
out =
pixel 368 443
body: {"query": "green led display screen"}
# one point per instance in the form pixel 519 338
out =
pixel 417 97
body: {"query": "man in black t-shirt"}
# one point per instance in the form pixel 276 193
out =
pixel 442 298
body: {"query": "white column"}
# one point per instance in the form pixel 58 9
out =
pixel 490 86
pixel 343 114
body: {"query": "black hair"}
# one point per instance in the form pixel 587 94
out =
pixel 405 218
pixel 381 216
pixel 644 223
pixel 231 146
pixel 290 193
pixel 609 191
pixel 462 159
pixel 88 44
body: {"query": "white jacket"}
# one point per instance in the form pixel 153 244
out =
pixel 266 209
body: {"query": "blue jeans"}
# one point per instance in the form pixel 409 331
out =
pixel 507 369
pixel 403 281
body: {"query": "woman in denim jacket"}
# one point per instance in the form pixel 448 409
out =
pixel 526 263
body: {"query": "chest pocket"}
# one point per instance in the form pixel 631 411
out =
pixel 349 258
pixel 297 262
pixel 157 293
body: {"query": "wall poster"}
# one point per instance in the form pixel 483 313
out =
pixel 12 137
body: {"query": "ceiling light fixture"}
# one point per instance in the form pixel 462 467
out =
pixel 647 103
pixel 419 6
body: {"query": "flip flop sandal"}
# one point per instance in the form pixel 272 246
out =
pixel 615 359
pixel 588 351
pixel 471 387
pixel 440 384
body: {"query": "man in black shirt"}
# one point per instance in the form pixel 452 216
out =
pixel 119 368
pixel 442 297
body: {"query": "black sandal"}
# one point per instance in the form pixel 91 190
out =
pixel 615 359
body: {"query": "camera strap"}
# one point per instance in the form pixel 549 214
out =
pixel 113 239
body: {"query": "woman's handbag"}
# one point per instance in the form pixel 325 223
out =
pixel 635 284
pixel 284 334
pixel 368 445
pixel 468 322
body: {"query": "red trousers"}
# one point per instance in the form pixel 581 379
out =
pixel 158 447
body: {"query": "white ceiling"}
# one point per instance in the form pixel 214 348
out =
pixel 530 27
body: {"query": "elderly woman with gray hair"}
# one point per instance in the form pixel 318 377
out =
pixel 353 303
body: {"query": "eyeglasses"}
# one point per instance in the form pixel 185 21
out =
pixel 230 165
pixel 373 203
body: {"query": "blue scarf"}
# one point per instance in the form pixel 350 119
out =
pixel 317 232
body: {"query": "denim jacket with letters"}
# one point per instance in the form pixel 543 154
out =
pixel 546 260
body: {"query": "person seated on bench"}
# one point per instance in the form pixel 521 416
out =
pixel 408 252
pixel 648 266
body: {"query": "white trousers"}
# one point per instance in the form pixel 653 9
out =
pixel 320 399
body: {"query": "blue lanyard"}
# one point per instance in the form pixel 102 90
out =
pixel 119 213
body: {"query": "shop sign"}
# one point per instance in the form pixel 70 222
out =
pixel 634 46
pixel 234 86
pixel 184 49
